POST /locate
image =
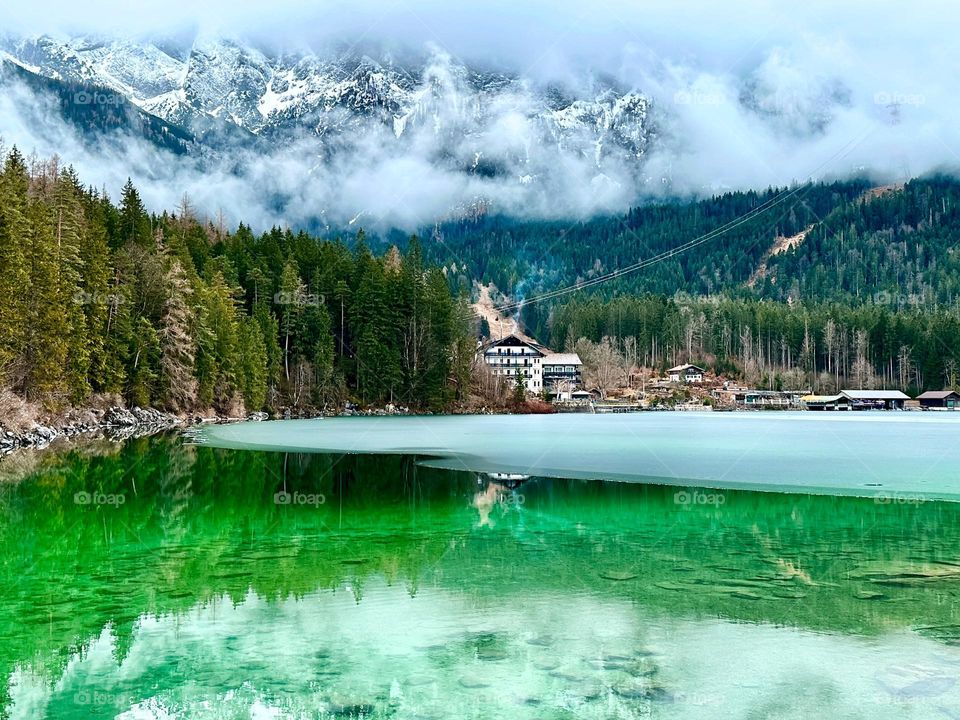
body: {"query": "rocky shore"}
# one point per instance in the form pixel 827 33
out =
pixel 114 422
pixel 118 423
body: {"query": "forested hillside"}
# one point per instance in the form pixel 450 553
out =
pixel 166 310
pixel 855 245
pixel 823 346
pixel 524 258
pixel 822 286
pixel 105 298
pixel 901 246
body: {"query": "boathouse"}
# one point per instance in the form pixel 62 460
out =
pixel 875 399
pixel 824 402
pixel 941 399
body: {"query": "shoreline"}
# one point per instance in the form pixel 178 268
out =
pixel 116 423
pixel 119 424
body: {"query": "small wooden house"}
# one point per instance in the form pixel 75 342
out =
pixel 686 373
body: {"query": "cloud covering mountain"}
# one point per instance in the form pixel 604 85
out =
pixel 402 113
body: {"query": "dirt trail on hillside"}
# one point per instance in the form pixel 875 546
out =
pixel 881 190
pixel 501 324
pixel 780 245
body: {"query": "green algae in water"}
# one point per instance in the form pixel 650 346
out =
pixel 409 593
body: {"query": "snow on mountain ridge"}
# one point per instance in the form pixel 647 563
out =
pixel 339 136
pixel 277 94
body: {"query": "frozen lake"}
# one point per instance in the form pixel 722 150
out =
pixel 912 455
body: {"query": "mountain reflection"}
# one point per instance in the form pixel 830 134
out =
pixel 103 544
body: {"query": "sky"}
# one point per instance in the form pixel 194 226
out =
pixel 754 93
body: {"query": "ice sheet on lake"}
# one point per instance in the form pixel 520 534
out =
pixel 894 457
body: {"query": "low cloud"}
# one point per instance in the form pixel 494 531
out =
pixel 744 96
pixel 448 164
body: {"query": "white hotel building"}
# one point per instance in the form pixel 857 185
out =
pixel 558 373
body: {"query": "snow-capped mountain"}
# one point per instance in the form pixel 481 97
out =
pixel 326 138
pixel 275 95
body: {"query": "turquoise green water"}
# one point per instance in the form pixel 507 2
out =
pixel 158 580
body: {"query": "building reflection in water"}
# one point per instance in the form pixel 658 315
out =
pixel 497 492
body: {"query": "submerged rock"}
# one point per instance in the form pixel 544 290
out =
pixel 592 691
pixel 491 654
pixel 618 575
pixel 418 680
pixel 903 574
pixel 641 669
pixel 675 586
pixel 546 665
pixel 947 634
pixel 471 683
pixel 642 691
pixel 541 640
pixel 566 675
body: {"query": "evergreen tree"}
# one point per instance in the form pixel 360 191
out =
pixel 253 363
pixel 269 332
pixel 145 352
pixel 290 300
pixel 133 222
pixel 218 359
pixel 71 230
pixel 519 388
pixel 178 354
pixel 14 277
pixel 105 371
pixel 46 343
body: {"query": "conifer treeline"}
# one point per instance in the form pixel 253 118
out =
pixel 824 346
pixel 176 313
